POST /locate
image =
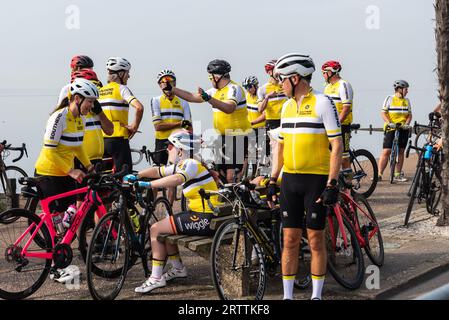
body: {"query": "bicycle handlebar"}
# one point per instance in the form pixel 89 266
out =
pixel 22 149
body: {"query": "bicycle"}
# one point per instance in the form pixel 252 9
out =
pixel 394 156
pixel 430 133
pixel 247 246
pixel 34 246
pixel 427 182
pixel 9 177
pixel 119 240
pixel 365 170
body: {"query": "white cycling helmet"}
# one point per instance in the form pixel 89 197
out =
pixel 184 140
pixel 250 81
pixel 118 64
pixel 84 87
pixel 294 63
pixel 165 73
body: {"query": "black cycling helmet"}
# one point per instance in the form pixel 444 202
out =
pixel 218 66
pixel 400 84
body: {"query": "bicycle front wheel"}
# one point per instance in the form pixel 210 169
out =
pixel 374 245
pixel 238 266
pixel 21 275
pixel 108 257
pixel 366 172
pixel 392 163
pixel 12 198
pixel 413 195
pixel 345 258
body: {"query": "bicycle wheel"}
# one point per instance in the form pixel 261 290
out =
pixel 413 195
pixel 433 199
pixel 86 230
pixel 21 276
pixel 108 257
pixel 345 261
pixel 12 198
pixel 366 172
pixel 374 246
pixel 235 255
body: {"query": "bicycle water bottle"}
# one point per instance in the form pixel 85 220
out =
pixel 68 214
pixel 57 222
pixel 135 219
pixel 428 153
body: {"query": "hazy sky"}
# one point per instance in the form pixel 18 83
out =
pixel 36 47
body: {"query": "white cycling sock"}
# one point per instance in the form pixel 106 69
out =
pixel 288 283
pixel 157 267
pixel 175 260
pixel 317 284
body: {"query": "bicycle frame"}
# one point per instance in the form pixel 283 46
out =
pixel 91 200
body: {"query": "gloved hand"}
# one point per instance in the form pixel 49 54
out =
pixel 391 125
pixel 204 95
pixel 186 124
pixel 97 107
pixel 329 196
pixel 130 178
pixel 272 190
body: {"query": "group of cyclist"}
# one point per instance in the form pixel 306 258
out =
pixel 310 144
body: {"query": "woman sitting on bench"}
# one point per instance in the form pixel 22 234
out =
pixel 185 170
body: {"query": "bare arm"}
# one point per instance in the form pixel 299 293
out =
pixel 278 159
pixel 188 96
pixel 259 119
pixel 167 182
pixel 409 119
pixel 152 173
pixel 106 124
pixel 336 157
pixel 225 106
pixel 167 126
pixel 139 115
pixel 385 117
pixel 263 104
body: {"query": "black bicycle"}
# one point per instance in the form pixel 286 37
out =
pixel 120 238
pixel 364 168
pixel 427 182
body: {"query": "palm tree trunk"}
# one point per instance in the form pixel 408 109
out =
pixel 442 42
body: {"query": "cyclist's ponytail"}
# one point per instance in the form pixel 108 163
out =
pixel 64 103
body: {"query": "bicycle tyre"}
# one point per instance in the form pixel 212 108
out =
pixel 411 201
pixel 370 181
pixel 117 276
pixel 37 281
pixel 19 173
pixel 377 259
pixel 392 163
pixel 86 226
pixel 435 194
pixel 254 268
pixel 356 279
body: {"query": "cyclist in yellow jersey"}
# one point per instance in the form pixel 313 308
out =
pixel 342 94
pixel 185 170
pixel 396 109
pixel 63 141
pixel 256 119
pixel 115 99
pixel 169 112
pixel 309 123
pixel 228 101
pixel 79 62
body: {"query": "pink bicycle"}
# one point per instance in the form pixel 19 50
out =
pixel 31 245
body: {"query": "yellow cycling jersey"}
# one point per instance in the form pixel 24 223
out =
pixel 235 123
pixel 115 99
pixel 275 103
pixel 341 93
pixel 398 109
pixel 253 111
pixel 93 142
pixel 165 110
pixel 306 131
pixel 63 141
pixel 196 177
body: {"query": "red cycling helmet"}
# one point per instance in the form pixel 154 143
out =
pixel 85 74
pixel 269 66
pixel 331 65
pixel 81 62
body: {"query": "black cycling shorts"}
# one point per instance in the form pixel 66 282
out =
pixel 389 137
pixel 161 158
pixel 299 193
pixel 234 151
pixel 120 151
pixel 52 185
pixel 192 223
pixel 346 137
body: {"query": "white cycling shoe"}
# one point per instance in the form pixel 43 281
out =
pixel 174 273
pixel 66 275
pixel 150 285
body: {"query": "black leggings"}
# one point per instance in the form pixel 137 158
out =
pixel 51 185
pixel 120 151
